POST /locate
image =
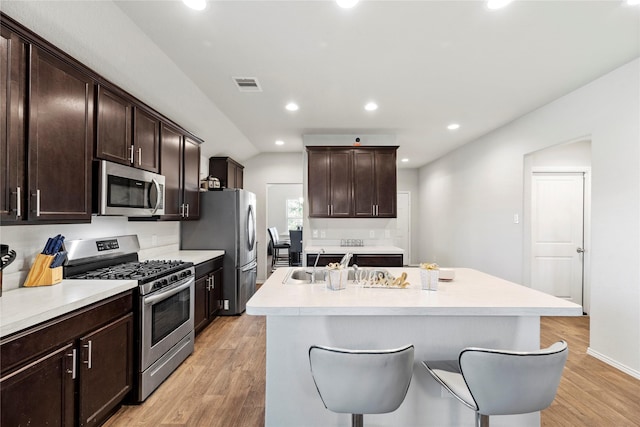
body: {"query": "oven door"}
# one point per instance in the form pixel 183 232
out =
pixel 166 317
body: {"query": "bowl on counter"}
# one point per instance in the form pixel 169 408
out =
pixel 447 274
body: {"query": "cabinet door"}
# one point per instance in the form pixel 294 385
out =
pixel 105 370
pixel 171 168
pixel 215 293
pixel 385 183
pixel 113 130
pixel 191 180
pixel 201 300
pixel 146 141
pixel 340 183
pixel 239 177
pixel 364 191
pixel 60 140
pixel 318 183
pixel 12 139
pixel 40 393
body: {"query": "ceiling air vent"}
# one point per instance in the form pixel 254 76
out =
pixel 247 84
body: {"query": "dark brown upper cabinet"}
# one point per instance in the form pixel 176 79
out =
pixel 60 140
pixel 351 182
pixel 13 81
pixel 180 165
pixel 374 179
pixel 228 171
pixel 330 182
pixel 126 133
pixel 146 140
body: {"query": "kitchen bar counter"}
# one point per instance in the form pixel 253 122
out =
pixel 25 307
pixel 476 309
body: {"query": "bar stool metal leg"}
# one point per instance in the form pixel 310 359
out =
pixel 482 420
pixel 357 420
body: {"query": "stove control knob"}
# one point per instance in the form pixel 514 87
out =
pixel 174 278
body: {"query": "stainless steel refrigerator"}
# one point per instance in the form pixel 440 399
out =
pixel 227 221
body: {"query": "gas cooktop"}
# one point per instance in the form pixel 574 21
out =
pixel 145 270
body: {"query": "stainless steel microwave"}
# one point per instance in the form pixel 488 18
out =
pixel 124 190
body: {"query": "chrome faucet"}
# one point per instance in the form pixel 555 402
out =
pixel 344 262
pixel 313 272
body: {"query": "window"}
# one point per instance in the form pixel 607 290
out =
pixel 294 214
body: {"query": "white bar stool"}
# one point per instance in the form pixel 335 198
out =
pixel 361 382
pixel 498 382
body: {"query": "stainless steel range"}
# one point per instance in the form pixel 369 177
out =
pixel 164 313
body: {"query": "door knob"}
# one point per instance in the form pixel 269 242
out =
pixel 579 250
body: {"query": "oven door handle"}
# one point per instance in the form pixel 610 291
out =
pixel 164 295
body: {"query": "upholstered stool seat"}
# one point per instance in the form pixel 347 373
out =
pixel 499 382
pixel 361 381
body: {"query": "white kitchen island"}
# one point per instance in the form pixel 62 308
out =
pixel 475 309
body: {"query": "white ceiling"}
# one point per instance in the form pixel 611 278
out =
pixel 426 63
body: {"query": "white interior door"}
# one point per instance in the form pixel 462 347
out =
pixel 557 234
pixel 403 225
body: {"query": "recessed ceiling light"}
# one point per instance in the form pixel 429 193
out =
pixel 371 106
pixel 346 4
pixel 279 142
pixel 292 106
pixel 404 160
pixel 497 4
pixel 453 126
pixel 633 2
pixel 196 4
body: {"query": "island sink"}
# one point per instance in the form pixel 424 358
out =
pixel 299 276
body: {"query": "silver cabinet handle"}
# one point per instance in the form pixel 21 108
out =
pixel 37 195
pixel 187 210
pixel 131 154
pixel 72 371
pixel 182 210
pixel 328 210
pixel 88 347
pixel 579 250
pixel 139 156
pixel 18 202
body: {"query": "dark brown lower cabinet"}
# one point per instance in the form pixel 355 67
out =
pixel 363 260
pixel 71 371
pixel 40 393
pixel 105 374
pixel 208 294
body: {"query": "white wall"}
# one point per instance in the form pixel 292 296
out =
pixel 468 199
pixel 259 171
pixel 29 240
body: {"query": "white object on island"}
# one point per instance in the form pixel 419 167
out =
pixel 476 310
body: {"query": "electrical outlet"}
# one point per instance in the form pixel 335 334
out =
pixel 323 234
pixel 516 219
pixel 372 233
pixel 314 233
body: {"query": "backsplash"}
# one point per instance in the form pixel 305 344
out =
pixel 28 240
pixel 372 231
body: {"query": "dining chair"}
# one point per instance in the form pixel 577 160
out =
pixel 277 259
pixel 361 382
pixel 501 382
pixel 295 251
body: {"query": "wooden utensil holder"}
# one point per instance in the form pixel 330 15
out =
pixel 41 274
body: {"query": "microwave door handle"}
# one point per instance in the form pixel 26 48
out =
pixel 159 198
pixel 164 295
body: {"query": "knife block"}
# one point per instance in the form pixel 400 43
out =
pixel 41 274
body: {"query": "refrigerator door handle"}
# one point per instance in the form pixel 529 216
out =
pixel 251 229
pixel 249 267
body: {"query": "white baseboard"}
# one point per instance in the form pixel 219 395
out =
pixel 634 373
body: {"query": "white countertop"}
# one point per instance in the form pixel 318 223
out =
pixel 354 249
pixel 25 307
pixel 194 256
pixel 471 293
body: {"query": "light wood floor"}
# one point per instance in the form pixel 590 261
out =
pixel 223 382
